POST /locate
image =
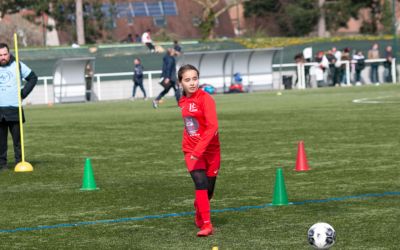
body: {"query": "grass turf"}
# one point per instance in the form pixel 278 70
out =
pixel 352 149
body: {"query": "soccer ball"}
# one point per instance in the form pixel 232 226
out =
pixel 321 235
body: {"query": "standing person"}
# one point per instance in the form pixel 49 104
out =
pixel 373 53
pixel 168 77
pixel 345 57
pixel 330 55
pixel 146 39
pixel 360 65
pixel 177 48
pixel 9 101
pixel 138 39
pixel 88 80
pixel 138 78
pixel 200 144
pixel 388 64
pixel 320 69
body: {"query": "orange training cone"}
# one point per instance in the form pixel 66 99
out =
pixel 301 161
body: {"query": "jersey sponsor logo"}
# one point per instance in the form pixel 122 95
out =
pixel 191 125
pixel 5 77
pixel 192 107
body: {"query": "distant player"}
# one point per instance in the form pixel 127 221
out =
pixel 200 143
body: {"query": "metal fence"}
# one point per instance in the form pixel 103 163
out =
pixel 105 86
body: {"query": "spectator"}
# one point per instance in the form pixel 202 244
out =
pixel 146 39
pixel 360 65
pixel 319 71
pixel 138 39
pixel 9 103
pixel 345 57
pixel 168 77
pixel 331 72
pixel 388 64
pixel 138 78
pixel 373 53
pixel 128 39
pixel 177 48
pixel 88 80
pixel 299 59
pixel 337 74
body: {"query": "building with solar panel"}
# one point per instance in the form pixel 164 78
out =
pixel 178 17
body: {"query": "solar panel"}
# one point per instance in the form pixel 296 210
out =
pixel 155 9
pixel 140 9
pixel 169 8
pixel 129 9
pixel 123 10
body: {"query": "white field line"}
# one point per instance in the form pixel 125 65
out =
pixel 375 100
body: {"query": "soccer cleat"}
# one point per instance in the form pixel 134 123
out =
pixel 197 218
pixel 206 230
pixel 155 104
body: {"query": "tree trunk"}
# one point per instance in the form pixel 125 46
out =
pixel 321 21
pixel 80 33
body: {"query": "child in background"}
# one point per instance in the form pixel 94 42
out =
pixel 138 78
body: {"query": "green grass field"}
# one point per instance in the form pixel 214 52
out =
pixel 352 148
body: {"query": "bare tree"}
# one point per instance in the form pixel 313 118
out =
pixel 210 14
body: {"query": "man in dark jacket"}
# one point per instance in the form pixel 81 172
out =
pixel 168 77
pixel 9 118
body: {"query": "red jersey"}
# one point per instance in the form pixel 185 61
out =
pixel 201 124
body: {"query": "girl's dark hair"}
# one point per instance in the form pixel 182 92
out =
pixel 185 68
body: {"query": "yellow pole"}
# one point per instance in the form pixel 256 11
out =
pixel 22 166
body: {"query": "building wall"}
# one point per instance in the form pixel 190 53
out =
pixel 180 26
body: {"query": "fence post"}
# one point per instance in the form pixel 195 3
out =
pixel 303 76
pixel 347 72
pixel 150 85
pixel 46 96
pixel 394 70
pixel 298 85
pixel 98 87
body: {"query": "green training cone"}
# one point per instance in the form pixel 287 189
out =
pixel 88 182
pixel 280 197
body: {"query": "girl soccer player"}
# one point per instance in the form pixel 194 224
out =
pixel 200 143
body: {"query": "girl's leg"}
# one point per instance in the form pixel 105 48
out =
pixel 202 201
pixel 211 186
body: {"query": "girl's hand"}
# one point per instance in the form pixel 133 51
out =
pixel 193 157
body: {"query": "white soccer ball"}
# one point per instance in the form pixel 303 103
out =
pixel 321 235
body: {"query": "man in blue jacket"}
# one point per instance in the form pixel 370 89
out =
pixel 168 77
pixel 9 118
